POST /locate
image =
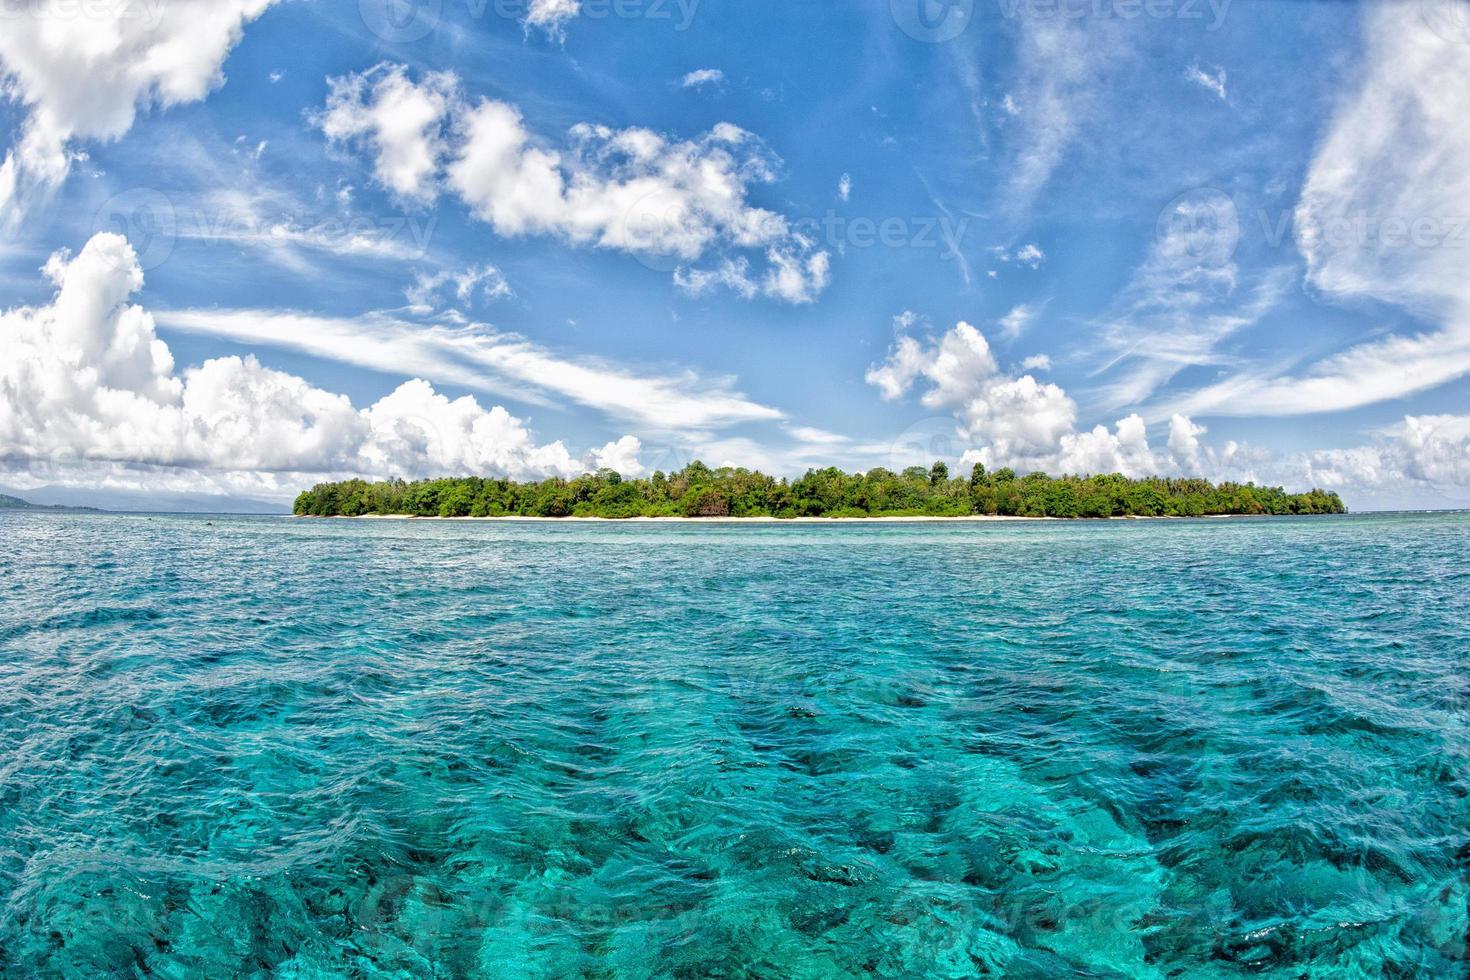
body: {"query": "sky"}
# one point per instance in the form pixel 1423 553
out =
pixel 248 245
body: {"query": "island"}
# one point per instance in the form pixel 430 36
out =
pixel 698 491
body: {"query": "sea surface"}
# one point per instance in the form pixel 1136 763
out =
pixel 293 748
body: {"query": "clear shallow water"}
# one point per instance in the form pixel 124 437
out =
pixel 261 747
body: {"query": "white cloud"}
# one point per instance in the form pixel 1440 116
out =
pixel 552 16
pixel 1019 417
pixel 417 430
pixel 1025 424
pixel 1014 323
pixel 817 437
pixel 702 77
pixel 622 456
pixel 1036 362
pixel 1029 255
pixel 790 277
pixel 1436 449
pixel 1212 82
pixel 87 381
pixel 1010 421
pixel 477 356
pixel 292 233
pixel 1372 372
pixel 1422 461
pixel 482 282
pixel 1382 215
pixel 401 120
pixel 1182 301
pixel 844 187
pixel 631 190
pixel 1184 444
pixel 83 71
pixel 1061 66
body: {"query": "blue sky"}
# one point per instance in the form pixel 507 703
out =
pixel 769 234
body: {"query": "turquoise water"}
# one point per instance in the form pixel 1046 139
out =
pixel 273 747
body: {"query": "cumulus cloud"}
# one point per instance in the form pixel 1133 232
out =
pixel 87 380
pixel 1184 444
pixel 1421 461
pixel 630 190
pixel 1014 421
pixel 552 16
pixel 1019 418
pixel 399 120
pixel 84 72
pixel 622 456
pixel 703 77
pixel 1028 425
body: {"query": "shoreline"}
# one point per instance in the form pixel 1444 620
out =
pixel 920 519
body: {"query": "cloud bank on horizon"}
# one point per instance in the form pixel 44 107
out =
pixel 489 240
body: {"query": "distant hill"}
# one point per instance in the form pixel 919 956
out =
pixel 57 498
pixel 8 502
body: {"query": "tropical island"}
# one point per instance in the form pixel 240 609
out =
pixel 698 491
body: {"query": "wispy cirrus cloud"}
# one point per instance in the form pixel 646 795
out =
pixel 479 357
pixel 1209 80
pixel 1382 216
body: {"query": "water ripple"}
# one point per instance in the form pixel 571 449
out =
pixel 269 747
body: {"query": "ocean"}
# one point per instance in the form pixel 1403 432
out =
pixel 238 746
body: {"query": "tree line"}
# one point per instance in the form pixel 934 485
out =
pixel 699 491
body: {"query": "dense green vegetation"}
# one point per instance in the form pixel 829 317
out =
pixel 698 491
